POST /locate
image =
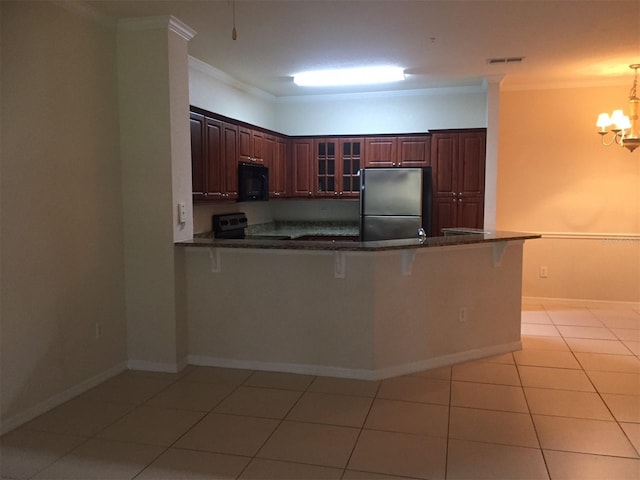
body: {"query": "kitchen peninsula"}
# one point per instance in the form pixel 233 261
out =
pixel 366 310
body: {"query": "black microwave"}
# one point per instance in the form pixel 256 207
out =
pixel 253 182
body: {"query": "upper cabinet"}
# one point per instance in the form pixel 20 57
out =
pixel 393 151
pixel 250 145
pixel 458 161
pixel 414 151
pixel 381 152
pixel 301 168
pixel 213 177
pixel 337 164
pixel 329 167
pixel 275 159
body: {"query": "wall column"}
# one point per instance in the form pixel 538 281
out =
pixel 155 152
pixel 491 167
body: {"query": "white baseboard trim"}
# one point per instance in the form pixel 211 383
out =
pixel 580 302
pixel 356 373
pixel 158 367
pixel 60 398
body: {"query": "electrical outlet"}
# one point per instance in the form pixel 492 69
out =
pixel 182 213
pixel 462 314
pixel 98 330
pixel 544 271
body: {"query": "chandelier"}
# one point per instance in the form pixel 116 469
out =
pixel 624 129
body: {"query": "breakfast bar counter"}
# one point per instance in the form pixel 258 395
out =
pixel 366 310
pixel 351 243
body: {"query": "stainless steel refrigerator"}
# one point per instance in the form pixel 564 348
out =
pixel 395 203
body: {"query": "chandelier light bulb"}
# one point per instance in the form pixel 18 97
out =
pixel 625 129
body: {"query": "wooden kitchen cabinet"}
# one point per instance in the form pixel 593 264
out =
pixel 414 151
pixel 198 149
pixel 458 162
pixel 402 151
pixel 251 144
pixel 212 176
pixel 301 167
pixel 275 159
pixel 381 152
pixel 337 163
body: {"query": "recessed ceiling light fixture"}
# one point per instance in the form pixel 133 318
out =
pixel 349 76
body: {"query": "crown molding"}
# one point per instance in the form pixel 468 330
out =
pixel 422 92
pixel 152 23
pixel 227 79
pixel 568 84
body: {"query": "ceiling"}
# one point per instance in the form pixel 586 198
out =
pixel 439 43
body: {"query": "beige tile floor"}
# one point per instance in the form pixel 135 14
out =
pixel 565 407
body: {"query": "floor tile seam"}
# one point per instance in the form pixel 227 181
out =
pixel 606 353
pixel 150 463
pixel 337 394
pixel 450 406
pixel 488 383
pixel 491 409
pixel 562 389
pixel 57 459
pixel 203 415
pixel 590 453
pixel 364 421
pixel 280 423
pixel 458 380
pixel 404 432
pixel 535 428
pixel 503 444
pixel 636 373
pixel 251 459
pixel 612 421
pixel 410 401
pixel 395 475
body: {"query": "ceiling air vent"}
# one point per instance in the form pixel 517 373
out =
pixel 492 61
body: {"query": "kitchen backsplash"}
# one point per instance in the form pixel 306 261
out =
pixel 260 213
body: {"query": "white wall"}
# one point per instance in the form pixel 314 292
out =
pixel 555 178
pixel 61 238
pixel 397 112
pixel 217 92
pixel 412 111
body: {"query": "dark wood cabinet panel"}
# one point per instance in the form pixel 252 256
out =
pixel 402 151
pixel 250 145
pixel 337 165
pixel 274 156
pixel 230 160
pixel 196 122
pixel 414 151
pixel 214 173
pixel 458 162
pixel 278 178
pixel 381 152
pixel 302 172
pixel 214 166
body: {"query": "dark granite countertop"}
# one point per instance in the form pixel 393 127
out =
pixel 453 237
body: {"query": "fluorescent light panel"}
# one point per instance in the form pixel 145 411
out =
pixel 349 76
